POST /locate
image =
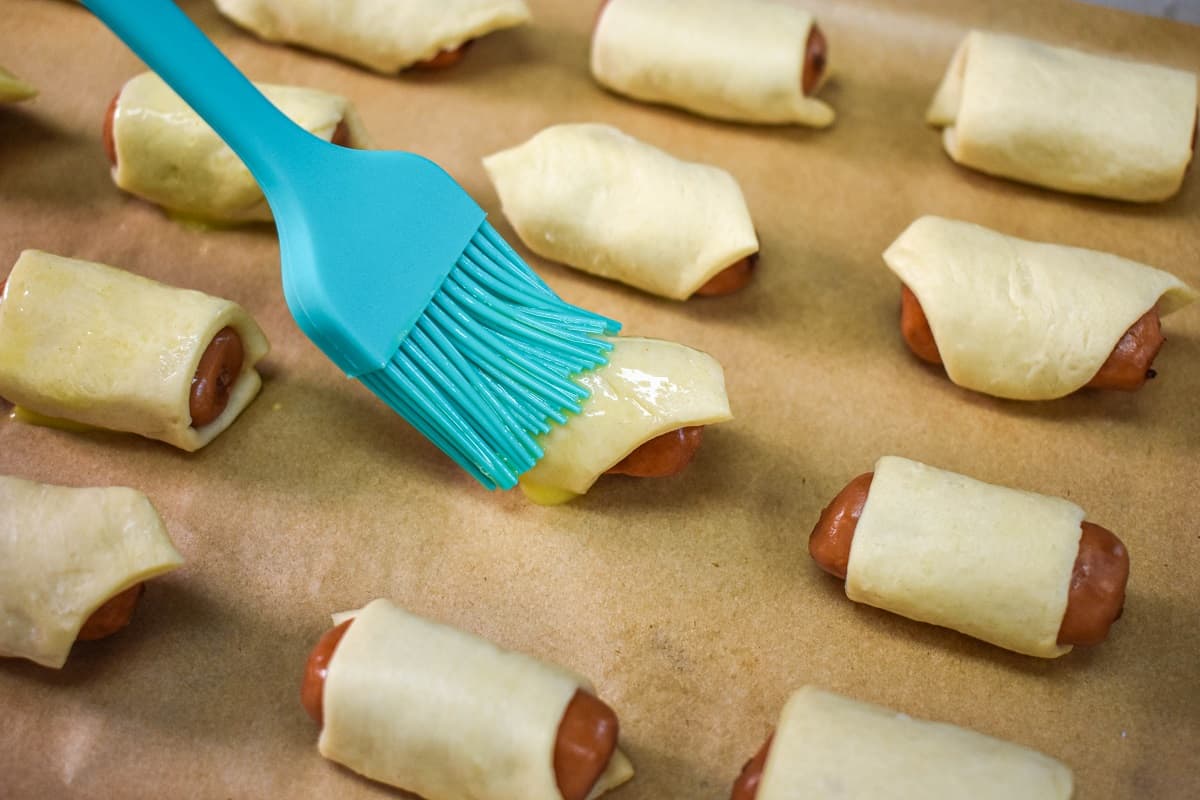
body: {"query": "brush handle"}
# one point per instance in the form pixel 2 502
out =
pixel 171 45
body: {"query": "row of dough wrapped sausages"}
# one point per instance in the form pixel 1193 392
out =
pixel 592 197
pixel 443 713
pixel 1008 106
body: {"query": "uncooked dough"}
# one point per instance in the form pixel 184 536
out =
pixel 445 714
pixel 63 553
pixel 988 561
pixel 596 199
pixel 739 60
pixel 168 155
pixel 385 35
pixel 649 387
pixel 1066 120
pixel 94 344
pixel 1020 319
pixel 828 746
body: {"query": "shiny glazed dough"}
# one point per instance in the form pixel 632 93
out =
pixel 828 746
pixel 168 155
pixel 649 387
pixel 445 714
pixel 93 344
pixel 596 199
pixel 1066 120
pixel 1020 319
pixel 13 88
pixel 63 553
pixel 988 561
pixel 385 35
pixel 739 60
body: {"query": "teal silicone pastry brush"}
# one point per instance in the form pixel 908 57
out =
pixel 391 268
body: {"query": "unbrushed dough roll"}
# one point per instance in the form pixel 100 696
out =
pixel 13 88
pixel 739 60
pixel 1066 120
pixel 93 344
pixel 63 553
pixel 647 388
pixel 827 745
pixel 597 199
pixel 988 561
pixel 168 155
pixel 445 714
pixel 384 35
pixel 1019 319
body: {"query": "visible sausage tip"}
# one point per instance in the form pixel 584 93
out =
pixel 662 456
pixel 816 57
pixel 585 742
pixel 746 785
pixel 316 669
pixel 110 141
pixel 216 374
pixel 112 616
pixel 731 279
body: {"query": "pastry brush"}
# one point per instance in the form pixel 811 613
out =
pixel 391 268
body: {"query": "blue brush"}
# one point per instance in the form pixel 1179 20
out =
pixel 391 268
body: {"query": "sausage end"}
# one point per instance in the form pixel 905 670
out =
pixel 316 669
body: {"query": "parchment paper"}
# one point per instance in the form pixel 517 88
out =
pixel 691 602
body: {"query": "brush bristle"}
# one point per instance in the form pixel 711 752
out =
pixel 488 366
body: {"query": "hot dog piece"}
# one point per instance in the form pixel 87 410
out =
pixel 110 140
pixel 1126 369
pixel 585 738
pixel 586 741
pixel 816 56
pixel 114 615
pixel 444 59
pixel 746 785
pixel 312 689
pixel 829 544
pixel 218 371
pixel 662 456
pixel 731 279
pixel 1096 595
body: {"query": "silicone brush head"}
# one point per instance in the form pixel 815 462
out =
pixel 390 268
pixel 417 296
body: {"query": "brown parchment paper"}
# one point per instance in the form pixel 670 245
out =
pixel 691 602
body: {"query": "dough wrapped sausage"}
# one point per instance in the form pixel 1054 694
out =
pixel 384 35
pixel 1066 120
pixel 63 553
pixel 596 199
pixel 827 745
pixel 998 564
pixel 92 344
pixel 13 89
pixel 163 152
pixel 1019 319
pixel 649 387
pixel 742 60
pixel 445 714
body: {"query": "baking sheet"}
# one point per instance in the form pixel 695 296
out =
pixel 691 602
